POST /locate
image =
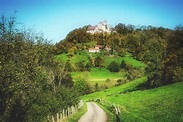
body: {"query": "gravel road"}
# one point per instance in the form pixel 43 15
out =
pixel 94 114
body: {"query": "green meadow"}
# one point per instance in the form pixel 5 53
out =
pixel 152 105
pixel 84 57
pixel 99 75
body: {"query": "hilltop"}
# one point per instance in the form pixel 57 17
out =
pixel 101 27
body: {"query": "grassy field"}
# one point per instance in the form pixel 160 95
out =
pixel 83 56
pixel 153 105
pixel 104 94
pixel 97 75
pixel 80 56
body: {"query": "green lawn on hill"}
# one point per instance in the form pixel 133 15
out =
pixel 100 76
pixel 163 104
pixel 83 56
pixel 80 56
pixel 96 75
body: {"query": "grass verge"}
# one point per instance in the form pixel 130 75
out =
pixel 75 117
pixel 110 115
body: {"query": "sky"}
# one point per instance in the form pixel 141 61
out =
pixel 56 18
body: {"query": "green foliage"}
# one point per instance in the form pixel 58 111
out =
pixel 114 67
pixel 172 65
pixel 68 67
pixel 82 86
pixel 99 61
pixel 123 64
pixel 67 81
pixel 88 67
pixel 80 66
pixel 77 116
pixel 159 47
pixel 30 78
pixel 121 28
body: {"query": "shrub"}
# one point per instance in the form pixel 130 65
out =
pixel 114 67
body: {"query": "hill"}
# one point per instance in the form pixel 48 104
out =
pixel 152 105
pixel 102 76
pixel 160 48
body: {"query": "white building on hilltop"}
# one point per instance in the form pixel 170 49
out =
pixel 99 28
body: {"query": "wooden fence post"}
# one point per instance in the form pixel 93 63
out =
pixel 60 117
pixel 66 112
pixel 63 114
pixel 57 117
pixel 53 120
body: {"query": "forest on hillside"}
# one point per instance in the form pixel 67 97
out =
pixel 34 85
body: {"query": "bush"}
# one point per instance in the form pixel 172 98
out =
pixel 114 67
pixel 123 64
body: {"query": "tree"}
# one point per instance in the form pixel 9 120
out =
pixel 99 61
pixel 87 67
pixel 96 87
pixel 80 66
pixel 68 67
pixel 29 89
pixel 121 28
pixel 123 64
pixel 82 86
pixel 153 56
pixel 172 65
pixel 67 81
pixel 113 67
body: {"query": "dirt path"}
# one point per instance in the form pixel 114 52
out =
pixel 94 114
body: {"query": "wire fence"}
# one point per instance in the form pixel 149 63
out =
pixel 65 113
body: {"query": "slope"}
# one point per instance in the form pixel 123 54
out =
pixel 159 104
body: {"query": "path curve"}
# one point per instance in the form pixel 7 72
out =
pixel 94 114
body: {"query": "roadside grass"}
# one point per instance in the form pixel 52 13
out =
pixel 159 104
pixel 110 115
pixel 75 117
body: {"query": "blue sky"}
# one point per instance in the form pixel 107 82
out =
pixel 55 18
